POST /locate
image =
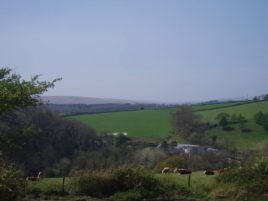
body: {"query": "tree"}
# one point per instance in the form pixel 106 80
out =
pixel 234 118
pixel 16 92
pixel 223 119
pixel 259 118
pixel 223 122
pixel 241 118
pixel 184 121
pixel 64 166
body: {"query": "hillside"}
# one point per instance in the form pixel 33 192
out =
pixel 156 123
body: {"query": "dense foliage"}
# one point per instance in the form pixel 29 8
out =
pixel 188 125
pixel 15 93
pixel 41 138
pixel 252 179
pixel 11 182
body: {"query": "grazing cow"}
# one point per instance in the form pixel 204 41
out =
pixel 165 170
pixel 182 171
pixel 209 172
pixel 176 170
pixel 33 178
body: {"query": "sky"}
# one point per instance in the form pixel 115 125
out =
pixel 155 50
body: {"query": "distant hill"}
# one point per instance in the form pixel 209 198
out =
pixel 85 100
pixel 67 105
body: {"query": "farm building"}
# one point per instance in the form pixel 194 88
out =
pixel 188 149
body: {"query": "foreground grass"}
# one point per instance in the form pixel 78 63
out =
pixel 202 188
pixel 53 186
pixel 198 179
pixel 48 186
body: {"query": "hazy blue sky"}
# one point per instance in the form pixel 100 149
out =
pixel 143 50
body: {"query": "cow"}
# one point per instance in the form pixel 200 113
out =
pixel 209 172
pixel 33 178
pixel 182 171
pixel 165 170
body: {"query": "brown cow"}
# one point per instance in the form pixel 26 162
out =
pixel 182 171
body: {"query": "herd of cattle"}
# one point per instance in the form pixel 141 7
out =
pixel 186 171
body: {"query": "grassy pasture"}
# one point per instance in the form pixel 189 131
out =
pixel 142 123
pixel 48 186
pixel 148 123
pixel 247 110
pixel 198 179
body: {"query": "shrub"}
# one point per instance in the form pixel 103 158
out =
pixel 172 162
pixel 131 183
pixel 253 179
pixel 120 139
pixel 93 184
pixel 11 184
pixel 137 179
pixel 258 117
pixel 149 157
pixel 228 128
pixel 262 119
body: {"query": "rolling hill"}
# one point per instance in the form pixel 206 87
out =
pixel 156 123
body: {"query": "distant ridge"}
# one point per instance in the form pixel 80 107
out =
pixel 85 100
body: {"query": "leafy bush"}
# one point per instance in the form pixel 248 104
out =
pixel 262 119
pixel 11 184
pixel 258 117
pixel 129 183
pixel 228 128
pixel 137 179
pixel 94 184
pixel 253 179
pixel 149 157
pixel 172 162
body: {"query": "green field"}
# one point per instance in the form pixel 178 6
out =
pixel 153 123
pixel 156 123
pixel 248 110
